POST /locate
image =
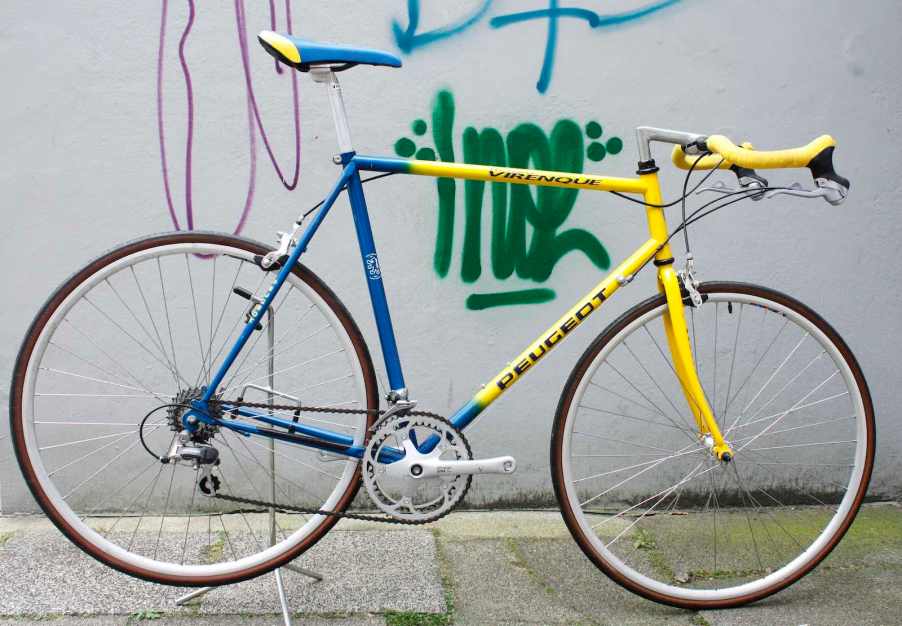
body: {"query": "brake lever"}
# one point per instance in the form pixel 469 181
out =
pixel 830 191
pixel 721 187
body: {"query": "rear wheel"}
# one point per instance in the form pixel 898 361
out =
pixel 647 501
pixel 145 326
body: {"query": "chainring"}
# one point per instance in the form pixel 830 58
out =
pixel 396 490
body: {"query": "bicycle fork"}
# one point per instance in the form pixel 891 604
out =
pixel 675 322
pixel 684 364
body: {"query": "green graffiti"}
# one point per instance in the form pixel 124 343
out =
pixel 405 147
pixel 527 235
pixel 480 301
pixel 442 125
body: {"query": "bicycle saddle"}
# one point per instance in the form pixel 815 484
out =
pixel 301 54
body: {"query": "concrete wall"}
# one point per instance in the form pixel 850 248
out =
pixel 81 166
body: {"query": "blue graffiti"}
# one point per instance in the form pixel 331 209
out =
pixel 408 40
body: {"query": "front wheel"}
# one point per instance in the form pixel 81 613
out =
pixel 145 327
pixel 648 502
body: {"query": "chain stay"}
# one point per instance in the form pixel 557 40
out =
pixel 316 409
pixel 308 511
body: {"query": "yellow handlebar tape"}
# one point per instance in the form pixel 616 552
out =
pixel 725 153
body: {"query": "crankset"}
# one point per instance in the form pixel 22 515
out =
pixel 416 468
pixel 433 474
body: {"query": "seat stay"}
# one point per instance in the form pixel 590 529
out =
pixel 199 410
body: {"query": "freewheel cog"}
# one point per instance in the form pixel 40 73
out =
pixel 181 404
pixel 399 487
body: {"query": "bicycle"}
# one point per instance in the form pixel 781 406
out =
pixel 710 447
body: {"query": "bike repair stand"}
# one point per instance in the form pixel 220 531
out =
pixel 286 614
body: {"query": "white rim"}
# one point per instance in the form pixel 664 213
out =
pixel 113 550
pixel 788 570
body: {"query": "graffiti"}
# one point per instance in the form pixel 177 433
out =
pixel 254 121
pixel 408 39
pixel 527 239
pixel 514 250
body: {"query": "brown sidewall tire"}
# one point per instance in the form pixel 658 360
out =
pixel 36 328
pixel 579 371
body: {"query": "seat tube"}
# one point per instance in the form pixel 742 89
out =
pixel 373 274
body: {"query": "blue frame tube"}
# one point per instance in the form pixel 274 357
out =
pixel 373 274
pixel 273 290
pixel 327 436
pixel 350 179
pixel 309 431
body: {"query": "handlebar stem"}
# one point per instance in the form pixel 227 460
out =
pixel 647 134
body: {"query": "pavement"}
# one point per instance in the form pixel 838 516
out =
pixel 479 568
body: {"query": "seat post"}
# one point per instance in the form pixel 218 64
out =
pixel 324 74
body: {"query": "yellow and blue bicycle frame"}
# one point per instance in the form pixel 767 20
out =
pixel 655 248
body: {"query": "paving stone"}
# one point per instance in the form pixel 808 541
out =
pixel 580 587
pixel 365 572
pixel 218 620
pixel 493 586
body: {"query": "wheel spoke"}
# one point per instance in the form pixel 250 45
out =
pixel 200 344
pixel 123 344
pixel 631 417
pixel 732 362
pixel 661 517
pixel 169 322
pixel 153 323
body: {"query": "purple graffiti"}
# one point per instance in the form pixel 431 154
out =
pixel 254 121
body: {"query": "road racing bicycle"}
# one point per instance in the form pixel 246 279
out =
pixel 710 447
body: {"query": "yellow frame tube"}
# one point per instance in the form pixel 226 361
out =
pixel 518 176
pixel 567 322
pixel 657 246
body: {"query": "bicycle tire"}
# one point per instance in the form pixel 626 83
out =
pixel 64 519
pixel 673 593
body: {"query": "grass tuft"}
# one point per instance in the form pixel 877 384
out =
pixel 409 618
pixel 144 616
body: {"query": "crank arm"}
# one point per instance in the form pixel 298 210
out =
pixel 432 468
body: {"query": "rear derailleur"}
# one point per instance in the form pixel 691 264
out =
pixel 201 456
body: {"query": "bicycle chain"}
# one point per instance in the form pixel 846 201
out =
pixel 308 511
pixel 318 409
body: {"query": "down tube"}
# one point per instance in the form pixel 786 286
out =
pixel 554 335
